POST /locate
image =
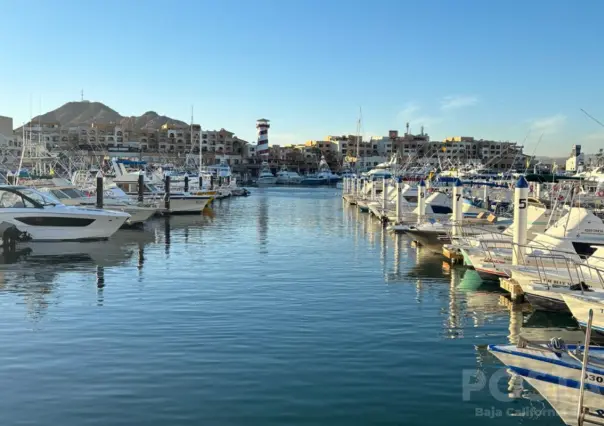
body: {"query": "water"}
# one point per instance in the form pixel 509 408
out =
pixel 285 307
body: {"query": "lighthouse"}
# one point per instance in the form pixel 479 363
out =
pixel 262 147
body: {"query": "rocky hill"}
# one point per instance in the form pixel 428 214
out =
pixel 85 113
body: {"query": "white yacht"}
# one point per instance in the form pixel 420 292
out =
pixel 180 201
pixel 114 199
pixel 286 177
pixel 325 172
pixel 266 177
pixel 43 218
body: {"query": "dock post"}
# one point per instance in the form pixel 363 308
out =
pixel 200 182
pixel 141 186
pixel 457 206
pixel 186 183
pixel 10 178
pixel 421 201
pixel 520 220
pixel 485 196
pixel 373 188
pixel 537 192
pixel 99 190
pixel 167 194
pixel 399 212
pixel 211 182
pixel 384 199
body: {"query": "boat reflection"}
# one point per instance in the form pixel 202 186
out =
pixel 34 275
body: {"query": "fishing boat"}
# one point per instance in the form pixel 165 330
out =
pixel 325 172
pixel 569 376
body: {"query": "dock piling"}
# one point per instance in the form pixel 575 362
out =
pixel 457 206
pixel 99 190
pixel 167 194
pixel 186 183
pixel 421 201
pixel 141 186
pixel 519 237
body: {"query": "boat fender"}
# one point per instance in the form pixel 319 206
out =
pixel 557 343
pixel 580 286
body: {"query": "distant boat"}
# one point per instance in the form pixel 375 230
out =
pixel 325 172
pixel 286 177
pixel 266 177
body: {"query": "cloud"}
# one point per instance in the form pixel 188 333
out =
pixel 548 125
pixel 458 101
pixel 409 110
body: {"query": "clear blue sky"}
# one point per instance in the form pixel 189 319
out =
pixel 490 69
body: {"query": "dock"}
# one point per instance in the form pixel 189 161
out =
pixel 512 287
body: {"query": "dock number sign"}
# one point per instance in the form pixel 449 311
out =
pixel 522 203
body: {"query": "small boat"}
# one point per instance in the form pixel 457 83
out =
pixel 569 376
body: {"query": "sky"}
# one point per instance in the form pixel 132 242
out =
pixel 502 70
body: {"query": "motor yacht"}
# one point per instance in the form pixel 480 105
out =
pixel 266 177
pixel 44 218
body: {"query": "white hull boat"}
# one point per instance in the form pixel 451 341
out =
pixel 42 218
pixel 554 370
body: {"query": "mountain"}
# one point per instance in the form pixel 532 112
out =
pixel 85 113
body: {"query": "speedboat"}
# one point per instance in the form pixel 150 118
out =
pixel 43 218
pixel 72 196
pixel 266 177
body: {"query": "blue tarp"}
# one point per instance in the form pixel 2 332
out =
pixel 132 162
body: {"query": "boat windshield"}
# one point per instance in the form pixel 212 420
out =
pixel 10 199
pixel 44 199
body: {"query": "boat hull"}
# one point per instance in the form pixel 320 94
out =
pixel 188 205
pixel 555 377
pixel 266 181
pixel 66 223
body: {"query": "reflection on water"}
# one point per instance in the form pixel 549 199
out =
pixel 336 321
pixel 263 223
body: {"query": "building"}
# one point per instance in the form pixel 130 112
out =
pixel 7 139
pixel 6 126
pixel 576 161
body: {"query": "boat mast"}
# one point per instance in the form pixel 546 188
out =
pixel 358 140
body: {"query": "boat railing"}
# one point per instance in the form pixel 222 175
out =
pixel 557 267
pixel 467 234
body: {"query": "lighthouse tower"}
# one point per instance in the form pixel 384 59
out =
pixel 262 147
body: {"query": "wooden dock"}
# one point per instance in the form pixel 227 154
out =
pixel 453 254
pixel 512 287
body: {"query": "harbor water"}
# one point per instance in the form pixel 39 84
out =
pixel 285 307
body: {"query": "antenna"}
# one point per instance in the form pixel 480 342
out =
pixel 82 95
pixel 590 116
pixel 422 132
pixel 407 127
